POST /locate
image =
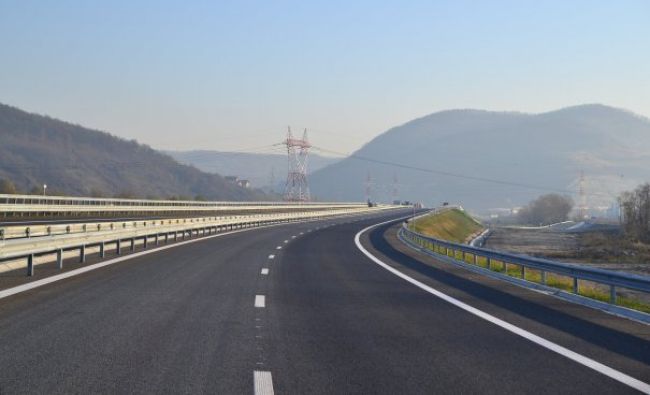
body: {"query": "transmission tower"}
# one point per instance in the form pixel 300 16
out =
pixel 272 180
pixel 582 208
pixel 395 188
pixel 368 185
pixel 297 189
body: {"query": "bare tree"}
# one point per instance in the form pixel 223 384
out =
pixel 546 209
pixel 7 187
pixel 635 212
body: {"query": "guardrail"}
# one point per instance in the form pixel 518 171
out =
pixel 155 230
pixel 30 231
pixel 17 205
pixel 576 272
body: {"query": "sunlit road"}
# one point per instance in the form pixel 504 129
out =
pixel 303 307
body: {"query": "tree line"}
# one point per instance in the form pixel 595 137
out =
pixel 546 209
pixel 635 212
pixel 7 187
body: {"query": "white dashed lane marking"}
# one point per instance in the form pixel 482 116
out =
pixel 260 301
pixel 265 271
pixel 271 256
pixel 263 383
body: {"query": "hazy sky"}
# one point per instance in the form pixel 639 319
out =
pixel 232 74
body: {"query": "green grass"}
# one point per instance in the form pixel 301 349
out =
pixel 451 225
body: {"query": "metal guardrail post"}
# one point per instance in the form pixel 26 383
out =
pixel 144 242
pixel 612 294
pixel 30 265
pixel 118 247
pixel 575 285
pixel 102 250
pixel 59 259
pixel 133 244
pixel 543 273
pixel 82 254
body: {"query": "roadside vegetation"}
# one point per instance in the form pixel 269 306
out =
pixel 452 225
pixel 635 213
pixel 545 210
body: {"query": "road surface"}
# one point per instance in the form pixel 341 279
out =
pixel 302 306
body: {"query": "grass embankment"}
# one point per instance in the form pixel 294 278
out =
pixel 451 225
pixel 585 288
pixel 457 226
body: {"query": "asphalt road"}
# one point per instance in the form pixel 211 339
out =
pixel 329 321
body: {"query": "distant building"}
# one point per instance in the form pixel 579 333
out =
pixel 244 183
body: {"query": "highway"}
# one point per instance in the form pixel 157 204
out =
pixel 303 306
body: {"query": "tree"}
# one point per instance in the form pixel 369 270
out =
pixel 126 194
pixel 7 187
pixel 635 212
pixel 97 193
pixel 546 209
pixel 36 191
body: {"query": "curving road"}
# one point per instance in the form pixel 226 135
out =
pixel 313 316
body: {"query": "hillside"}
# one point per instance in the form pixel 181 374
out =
pixel 256 168
pixel 544 151
pixel 73 160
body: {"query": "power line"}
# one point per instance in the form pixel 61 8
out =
pixel 447 173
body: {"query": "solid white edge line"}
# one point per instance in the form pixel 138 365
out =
pixel 581 359
pixel 265 271
pixel 263 382
pixel 260 301
pixel 58 277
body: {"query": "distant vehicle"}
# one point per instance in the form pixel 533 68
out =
pixel 445 203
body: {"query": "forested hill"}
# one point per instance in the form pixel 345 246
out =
pixel 73 160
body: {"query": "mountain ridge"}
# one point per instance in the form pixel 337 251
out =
pixel 75 160
pixel 546 149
